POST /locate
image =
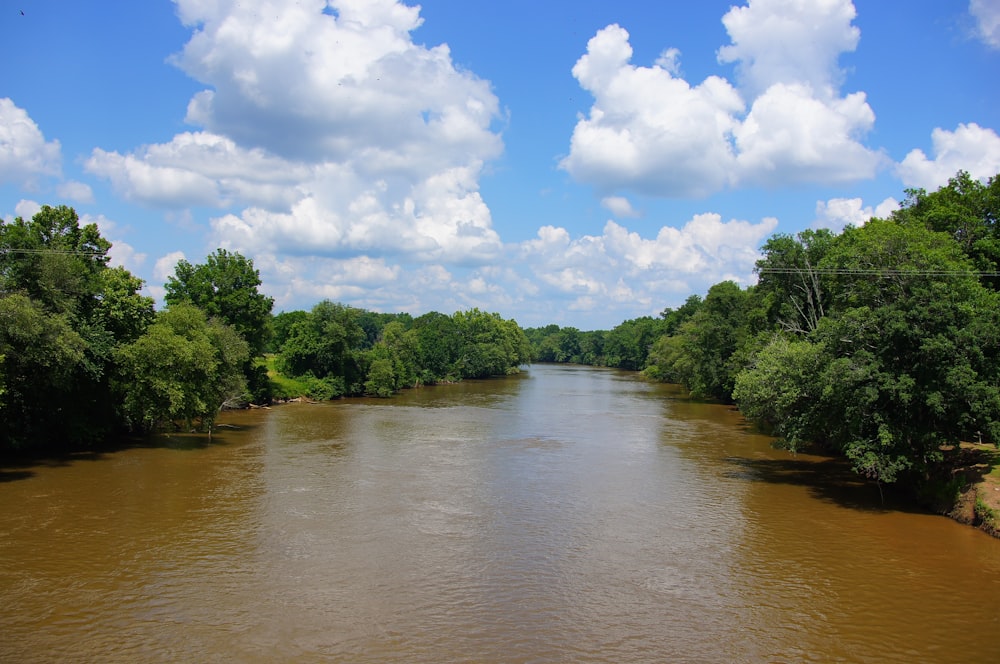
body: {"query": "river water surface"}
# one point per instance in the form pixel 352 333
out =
pixel 568 514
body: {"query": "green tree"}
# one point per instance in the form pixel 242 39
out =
pixel 65 311
pixel 782 389
pixel 225 286
pixel 701 356
pixel 327 344
pixel 968 211
pixel 183 368
pixel 439 340
pixel 627 346
pixel 792 290
pixel 915 346
pixel 43 356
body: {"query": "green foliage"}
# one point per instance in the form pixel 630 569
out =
pixel 326 343
pixel 63 311
pixel 183 368
pixel 701 354
pixel 340 350
pixel 781 388
pixel 627 346
pixel 42 358
pixel 882 343
pixel 225 286
pixel 792 292
pixel 968 211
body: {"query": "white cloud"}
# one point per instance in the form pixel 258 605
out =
pixel 326 131
pixel 647 130
pixel 790 135
pixel 987 15
pixel 24 153
pixel 165 265
pixel 619 206
pixel 163 268
pixel 789 41
pixel 304 83
pixel 75 191
pixel 620 273
pixel 200 168
pixel 970 148
pixel 652 132
pixel 26 209
pixel 837 213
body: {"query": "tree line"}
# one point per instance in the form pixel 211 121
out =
pixel 881 343
pixel 85 356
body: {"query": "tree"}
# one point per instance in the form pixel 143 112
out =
pixel 42 357
pixel 782 389
pixel 439 340
pixel 627 346
pixel 64 311
pixel 327 344
pixel 225 287
pixel 791 288
pixel 915 346
pixel 184 368
pixel 968 211
pixel 701 355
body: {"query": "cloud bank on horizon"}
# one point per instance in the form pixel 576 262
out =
pixel 348 159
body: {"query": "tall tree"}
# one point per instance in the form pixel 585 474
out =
pixel 968 211
pixel 183 368
pixel 65 311
pixel 225 286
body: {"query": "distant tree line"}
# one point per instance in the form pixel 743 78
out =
pixel 85 356
pixel 881 343
pixel 338 350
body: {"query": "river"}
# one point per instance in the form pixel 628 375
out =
pixel 567 514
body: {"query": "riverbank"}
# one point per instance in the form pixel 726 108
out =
pixel 977 474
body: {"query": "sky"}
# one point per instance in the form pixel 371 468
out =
pixel 579 163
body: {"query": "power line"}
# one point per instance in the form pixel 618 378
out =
pixel 72 252
pixel 879 272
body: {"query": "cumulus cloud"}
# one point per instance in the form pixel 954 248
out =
pixel 554 277
pixel 970 147
pixel 24 153
pixel 619 206
pixel 786 41
pixel 200 168
pixel 648 130
pixel 653 132
pixel 623 273
pixel 306 83
pixel 26 209
pixel 75 191
pixel 987 16
pixel 325 130
pixel 837 213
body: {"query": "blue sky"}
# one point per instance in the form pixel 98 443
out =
pixel 578 163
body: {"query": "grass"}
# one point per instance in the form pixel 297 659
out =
pixel 283 387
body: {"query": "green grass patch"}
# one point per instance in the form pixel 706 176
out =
pixel 283 387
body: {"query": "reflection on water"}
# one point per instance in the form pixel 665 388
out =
pixel 567 514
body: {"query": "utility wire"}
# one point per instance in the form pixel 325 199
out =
pixel 881 272
pixel 72 252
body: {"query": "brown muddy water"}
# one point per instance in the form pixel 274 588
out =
pixel 567 514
